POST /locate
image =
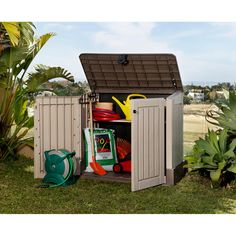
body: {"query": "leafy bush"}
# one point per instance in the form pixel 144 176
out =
pixel 215 154
pixel 187 100
pixel 18 48
pixel 225 116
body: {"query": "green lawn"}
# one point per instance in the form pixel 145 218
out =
pixel 192 195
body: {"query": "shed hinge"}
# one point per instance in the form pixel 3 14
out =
pixel 172 76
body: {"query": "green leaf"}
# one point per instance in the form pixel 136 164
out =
pixel 13 31
pixel 226 93
pixel 13 59
pixel 195 166
pixel 232 101
pixel 29 123
pixel 27 32
pixel 213 141
pixel 222 140
pixel 191 159
pixel 206 146
pixel 32 51
pixel 215 175
pixel 20 107
pixel 221 165
pixel 27 141
pixel 230 153
pixel 209 160
pixel 23 134
pixel 233 144
pixel 226 116
pixel 43 74
pixel 232 168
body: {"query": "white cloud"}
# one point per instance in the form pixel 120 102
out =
pixel 130 37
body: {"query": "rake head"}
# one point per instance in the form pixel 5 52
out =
pixel 123 148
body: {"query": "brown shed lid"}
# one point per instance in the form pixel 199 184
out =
pixel 126 73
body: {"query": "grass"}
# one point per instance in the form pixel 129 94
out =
pixel 191 195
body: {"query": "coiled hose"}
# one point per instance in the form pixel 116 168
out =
pixel 100 114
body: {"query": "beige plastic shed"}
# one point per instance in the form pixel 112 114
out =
pixel 156 128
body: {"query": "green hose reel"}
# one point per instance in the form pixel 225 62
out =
pixel 60 167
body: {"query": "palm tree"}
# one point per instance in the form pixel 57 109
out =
pixel 18 48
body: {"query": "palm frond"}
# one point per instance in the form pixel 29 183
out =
pixel 12 29
pixel 32 52
pixel 43 74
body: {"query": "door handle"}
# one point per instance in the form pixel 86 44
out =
pixel 135 111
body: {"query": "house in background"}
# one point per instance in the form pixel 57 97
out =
pixel 46 93
pixel 196 95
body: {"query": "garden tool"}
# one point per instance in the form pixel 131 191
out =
pixel 124 156
pixel 123 148
pixel 97 168
pixel 126 105
pixel 60 167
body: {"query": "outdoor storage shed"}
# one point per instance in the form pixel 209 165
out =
pixel 156 128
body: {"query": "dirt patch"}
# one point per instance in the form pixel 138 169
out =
pixel 194 118
pixel 195 124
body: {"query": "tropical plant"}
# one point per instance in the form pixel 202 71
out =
pixel 215 154
pixel 15 34
pixel 225 115
pixel 18 48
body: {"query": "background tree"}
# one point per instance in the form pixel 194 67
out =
pixel 65 88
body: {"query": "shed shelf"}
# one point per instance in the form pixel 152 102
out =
pixel 115 121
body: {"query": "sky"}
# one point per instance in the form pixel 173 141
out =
pixel 206 52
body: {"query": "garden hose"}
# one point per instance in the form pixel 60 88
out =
pixel 101 114
pixel 71 168
pixel 71 164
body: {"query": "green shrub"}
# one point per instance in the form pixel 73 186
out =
pixel 215 155
pixel 225 116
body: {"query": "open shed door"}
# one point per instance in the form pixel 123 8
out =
pixel 148 120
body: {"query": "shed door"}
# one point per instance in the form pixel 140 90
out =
pixel 148 143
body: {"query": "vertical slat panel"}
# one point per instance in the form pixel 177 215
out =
pixel 61 123
pixel 68 124
pixel 46 127
pixel 159 135
pixel 174 130
pixel 37 152
pixel 147 143
pixel 156 147
pixel 139 145
pixel 178 134
pixel 57 125
pixel 53 125
pixel 41 125
pixel 77 126
pixel 151 143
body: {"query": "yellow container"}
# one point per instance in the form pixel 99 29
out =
pixel 126 105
